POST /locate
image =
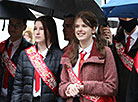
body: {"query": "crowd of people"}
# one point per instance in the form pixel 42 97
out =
pixel 96 66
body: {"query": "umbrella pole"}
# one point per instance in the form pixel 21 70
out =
pixel 3 25
pixel 51 13
pixel 104 1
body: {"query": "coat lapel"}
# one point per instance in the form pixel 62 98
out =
pixel 94 56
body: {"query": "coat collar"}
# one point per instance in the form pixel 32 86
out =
pixel 94 56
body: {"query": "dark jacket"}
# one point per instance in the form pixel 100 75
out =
pixel 132 93
pixel 23 84
pixel 23 45
pixel 123 72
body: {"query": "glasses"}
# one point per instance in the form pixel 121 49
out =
pixel 16 26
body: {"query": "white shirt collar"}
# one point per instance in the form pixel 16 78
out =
pixel 16 43
pixel 134 35
pixel 88 49
pixel 44 53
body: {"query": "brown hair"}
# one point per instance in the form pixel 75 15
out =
pixel 89 19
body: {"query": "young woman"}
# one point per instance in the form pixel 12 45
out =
pixel 38 69
pixel 89 72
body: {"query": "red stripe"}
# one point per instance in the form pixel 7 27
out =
pixel 136 62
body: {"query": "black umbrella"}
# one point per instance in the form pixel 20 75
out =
pixel 60 8
pixel 10 9
pixel 14 10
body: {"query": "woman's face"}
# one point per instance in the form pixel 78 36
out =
pixel 26 36
pixel 82 31
pixel 39 32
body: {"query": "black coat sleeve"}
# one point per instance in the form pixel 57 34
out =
pixel 18 81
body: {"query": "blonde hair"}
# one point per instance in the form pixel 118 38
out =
pixel 30 35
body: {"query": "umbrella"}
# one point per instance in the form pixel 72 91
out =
pixel 9 9
pixel 121 8
pixel 60 8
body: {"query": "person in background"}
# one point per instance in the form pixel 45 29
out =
pixel 124 48
pixel 68 29
pixel 10 50
pixel 28 35
pixel 105 31
pixel 38 69
pixel 89 72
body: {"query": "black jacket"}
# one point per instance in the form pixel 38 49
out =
pixel 23 84
pixel 23 45
pixel 123 72
pixel 132 93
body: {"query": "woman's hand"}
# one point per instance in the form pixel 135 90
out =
pixel 72 90
pixel 80 87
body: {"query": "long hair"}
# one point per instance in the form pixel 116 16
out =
pixel 49 24
pixel 89 19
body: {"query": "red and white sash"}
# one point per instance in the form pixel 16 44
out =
pixel 136 62
pixel 75 79
pixel 39 65
pixel 127 60
pixel 11 67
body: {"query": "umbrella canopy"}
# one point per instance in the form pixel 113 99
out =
pixel 60 8
pixel 9 9
pixel 121 8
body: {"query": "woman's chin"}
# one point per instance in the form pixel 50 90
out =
pixel 37 41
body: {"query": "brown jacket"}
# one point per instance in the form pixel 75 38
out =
pixel 99 76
